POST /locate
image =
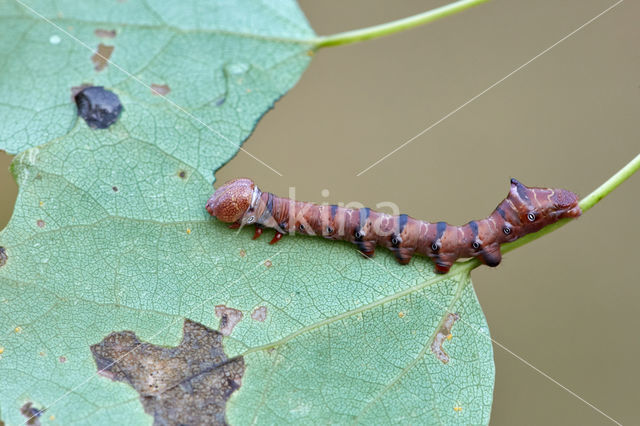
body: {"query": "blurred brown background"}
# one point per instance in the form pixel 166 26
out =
pixel 566 303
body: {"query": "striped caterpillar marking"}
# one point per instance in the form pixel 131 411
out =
pixel 525 210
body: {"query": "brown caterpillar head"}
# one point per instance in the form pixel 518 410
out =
pixel 231 201
pixel 538 207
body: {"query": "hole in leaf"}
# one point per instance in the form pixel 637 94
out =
pixel 100 59
pixel 186 384
pixel 105 33
pixel 160 89
pixel 100 108
pixel 229 318
pixel 259 313
pixel 443 333
pixel 31 413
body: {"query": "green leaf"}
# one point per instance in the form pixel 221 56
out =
pixel 110 233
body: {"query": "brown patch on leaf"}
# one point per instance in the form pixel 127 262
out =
pixel 242 253
pixel 77 89
pixel 3 256
pixel 445 330
pixel 186 384
pixel 105 33
pixel 100 59
pixel 182 174
pixel 229 318
pixel 259 313
pixel 160 89
pixel 31 413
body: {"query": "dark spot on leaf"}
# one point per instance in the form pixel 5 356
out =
pixel 445 330
pixel 243 253
pixel 229 317
pixel 115 188
pixel 62 359
pixel 3 256
pixel 186 384
pixel 100 108
pixel 105 33
pixel 182 174
pixel 40 223
pixel 100 59
pixel 221 100
pixel 157 89
pixel 268 263
pixel 259 313
pixel 31 413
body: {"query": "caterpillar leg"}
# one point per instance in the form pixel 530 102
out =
pixel 257 233
pixel 366 248
pixel 491 255
pixel 403 255
pixel 276 238
pixel 443 263
pixel 442 268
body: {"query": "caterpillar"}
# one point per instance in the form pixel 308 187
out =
pixel 525 210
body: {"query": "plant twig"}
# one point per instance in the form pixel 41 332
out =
pixel 395 26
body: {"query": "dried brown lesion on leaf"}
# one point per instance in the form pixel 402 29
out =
pixel 31 413
pixel 160 89
pixel 100 59
pixel 3 256
pixel 102 33
pixel 77 89
pixel 259 313
pixel 186 384
pixel 442 335
pixel 229 318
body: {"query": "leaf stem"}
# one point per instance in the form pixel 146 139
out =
pixel 395 26
pixel 585 204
